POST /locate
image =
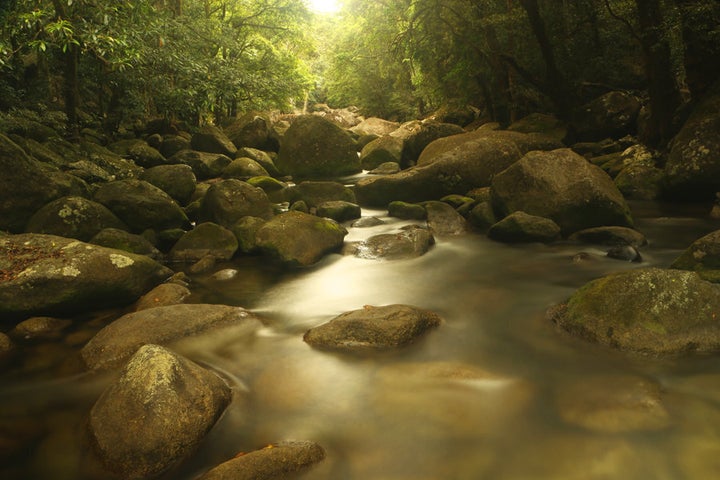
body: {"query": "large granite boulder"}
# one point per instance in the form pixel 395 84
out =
pixel 115 343
pixel 178 181
pixel 228 201
pixel 204 165
pixel 244 168
pixel 563 186
pixel 24 186
pixel 206 239
pixel 141 205
pixel 416 135
pixel 470 163
pixel 139 152
pixel 276 461
pixel 648 311
pixel 692 170
pixel 298 238
pixel 703 257
pixel 45 274
pixel 372 329
pixel 381 150
pixel 254 130
pixel 212 140
pixel 73 217
pixel 156 413
pixel 317 148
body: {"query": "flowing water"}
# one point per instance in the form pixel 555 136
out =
pixel 489 394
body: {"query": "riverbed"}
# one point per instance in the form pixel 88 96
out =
pixel 483 396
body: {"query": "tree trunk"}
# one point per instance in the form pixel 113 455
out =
pixel 71 59
pixel 662 86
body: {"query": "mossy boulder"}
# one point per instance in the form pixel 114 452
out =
pixel 245 230
pixel 141 205
pixel 519 227
pixel 73 217
pixel 314 193
pixel 692 170
pixel 465 162
pixel 254 130
pixel 563 186
pixel 339 211
pixel 204 165
pixel 205 239
pixel 244 168
pixel 125 241
pixel 407 211
pixel 299 239
pixel 228 201
pixel 139 152
pixel 416 135
pixel 265 159
pixel 703 257
pixel 374 126
pixel 381 150
pixel 25 186
pixel 50 275
pixel 314 147
pixel 156 413
pixel 178 181
pixel 444 220
pixel 212 140
pixel 648 311
pixel 373 329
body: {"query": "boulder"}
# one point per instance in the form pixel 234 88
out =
pixel 372 329
pixel 300 239
pixel 139 152
pixel 115 165
pixel 212 140
pixel 610 236
pixel 73 217
pixel 613 404
pixel 253 130
pixel 40 328
pixel 115 343
pixel 49 275
pixel 268 184
pixel 374 126
pixel 314 193
pixel 703 257
pixel 381 150
pixel 563 186
pixel 640 182
pixel 178 181
pixel 204 165
pixel 244 168
pixel 443 220
pixel 410 242
pixel 416 135
pixel 613 114
pixel 228 201
pixel 470 163
pixel 649 311
pixel 141 205
pixel 245 231
pixel 25 186
pixel 540 123
pixel 205 239
pixel 317 148
pixel 263 158
pixel 339 211
pixel 156 413
pixel 276 461
pixel 482 216
pixel 519 227
pixel 125 241
pixel 692 171
pixel 407 211
pixel 172 144
pixel 387 168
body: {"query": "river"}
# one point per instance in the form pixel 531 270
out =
pixel 480 397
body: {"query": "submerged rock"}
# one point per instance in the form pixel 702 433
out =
pixel 649 311
pixel 520 227
pixel 156 413
pixel 45 274
pixel 612 404
pixel 163 325
pixel 373 329
pixel 276 461
pixel 610 236
pixel 299 239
